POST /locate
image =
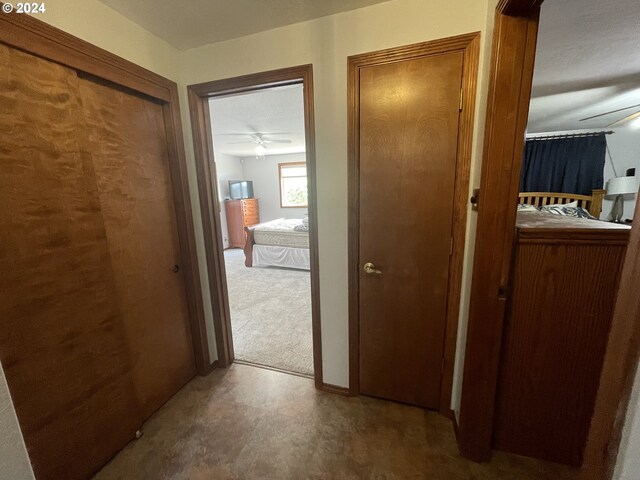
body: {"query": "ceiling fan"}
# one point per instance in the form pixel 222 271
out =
pixel 621 121
pixel 259 140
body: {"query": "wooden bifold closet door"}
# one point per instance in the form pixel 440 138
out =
pixel 94 332
pixel 127 140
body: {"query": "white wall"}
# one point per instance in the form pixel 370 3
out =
pixel 624 146
pixel 472 216
pixel 266 185
pixel 14 462
pixel 227 168
pixel 326 43
pixel 98 24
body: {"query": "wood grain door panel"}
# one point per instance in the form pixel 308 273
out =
pixel 62 341
pixel 554 344
pixel 408 135
pixel 128 145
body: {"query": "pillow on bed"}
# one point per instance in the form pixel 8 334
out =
pixel 303 226
pixel 568 210
pixel 525 207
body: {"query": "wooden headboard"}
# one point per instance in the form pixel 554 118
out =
pixel 592 203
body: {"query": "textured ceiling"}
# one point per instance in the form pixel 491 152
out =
pixel 193 23
pixel 278 110
pixel 587 63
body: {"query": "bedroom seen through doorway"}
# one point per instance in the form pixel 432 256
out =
pixel 262 185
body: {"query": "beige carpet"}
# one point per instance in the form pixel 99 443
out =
pixel 270 315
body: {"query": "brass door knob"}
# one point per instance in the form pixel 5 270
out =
pixel 371 269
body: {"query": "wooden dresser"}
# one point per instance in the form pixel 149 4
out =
pixel 564 281
pixel 240 214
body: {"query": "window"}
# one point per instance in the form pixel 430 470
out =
pixel 293 185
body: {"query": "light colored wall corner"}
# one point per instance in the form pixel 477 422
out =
pixel 14 461
pixel 472 215
pixel 266 185
pixel 326 43
pixel 102 26
pixel 628 461
pixel 228 168
pixel 624 146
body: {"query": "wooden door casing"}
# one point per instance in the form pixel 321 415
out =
pixel 62 340
pixel 127 141
pixel 408 138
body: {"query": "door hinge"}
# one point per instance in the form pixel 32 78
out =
pixel 451 247
pixel 461 98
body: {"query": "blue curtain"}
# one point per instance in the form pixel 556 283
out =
pixel 569 165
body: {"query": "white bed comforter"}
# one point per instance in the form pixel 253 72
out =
pixel 281 232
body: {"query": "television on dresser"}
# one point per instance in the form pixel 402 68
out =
pixel 239 189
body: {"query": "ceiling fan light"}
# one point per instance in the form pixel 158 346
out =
pixel 260 150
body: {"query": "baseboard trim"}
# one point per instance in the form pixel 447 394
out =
pixel 329 388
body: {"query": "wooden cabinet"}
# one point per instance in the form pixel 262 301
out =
pixel 240 214
pixel 563 286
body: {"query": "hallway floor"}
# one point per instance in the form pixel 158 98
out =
pixel 252 423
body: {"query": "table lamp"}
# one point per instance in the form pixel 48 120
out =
pixel 617 187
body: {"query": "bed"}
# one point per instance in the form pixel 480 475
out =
pixel 592 203
pixel 279 243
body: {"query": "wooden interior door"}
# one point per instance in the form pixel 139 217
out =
pixel 408 136
pixel 62 339
pixel 128 145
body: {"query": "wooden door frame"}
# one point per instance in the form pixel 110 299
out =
pixel 36 37
pixel 512 63
pixel 199 95
pixel 469 45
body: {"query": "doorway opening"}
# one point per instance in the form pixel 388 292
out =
pixel 256 167
pixel 525 267
pixel 578 163
pixel 259 151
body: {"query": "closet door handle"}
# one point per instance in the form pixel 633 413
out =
pixel 370 269
pixel 176 268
